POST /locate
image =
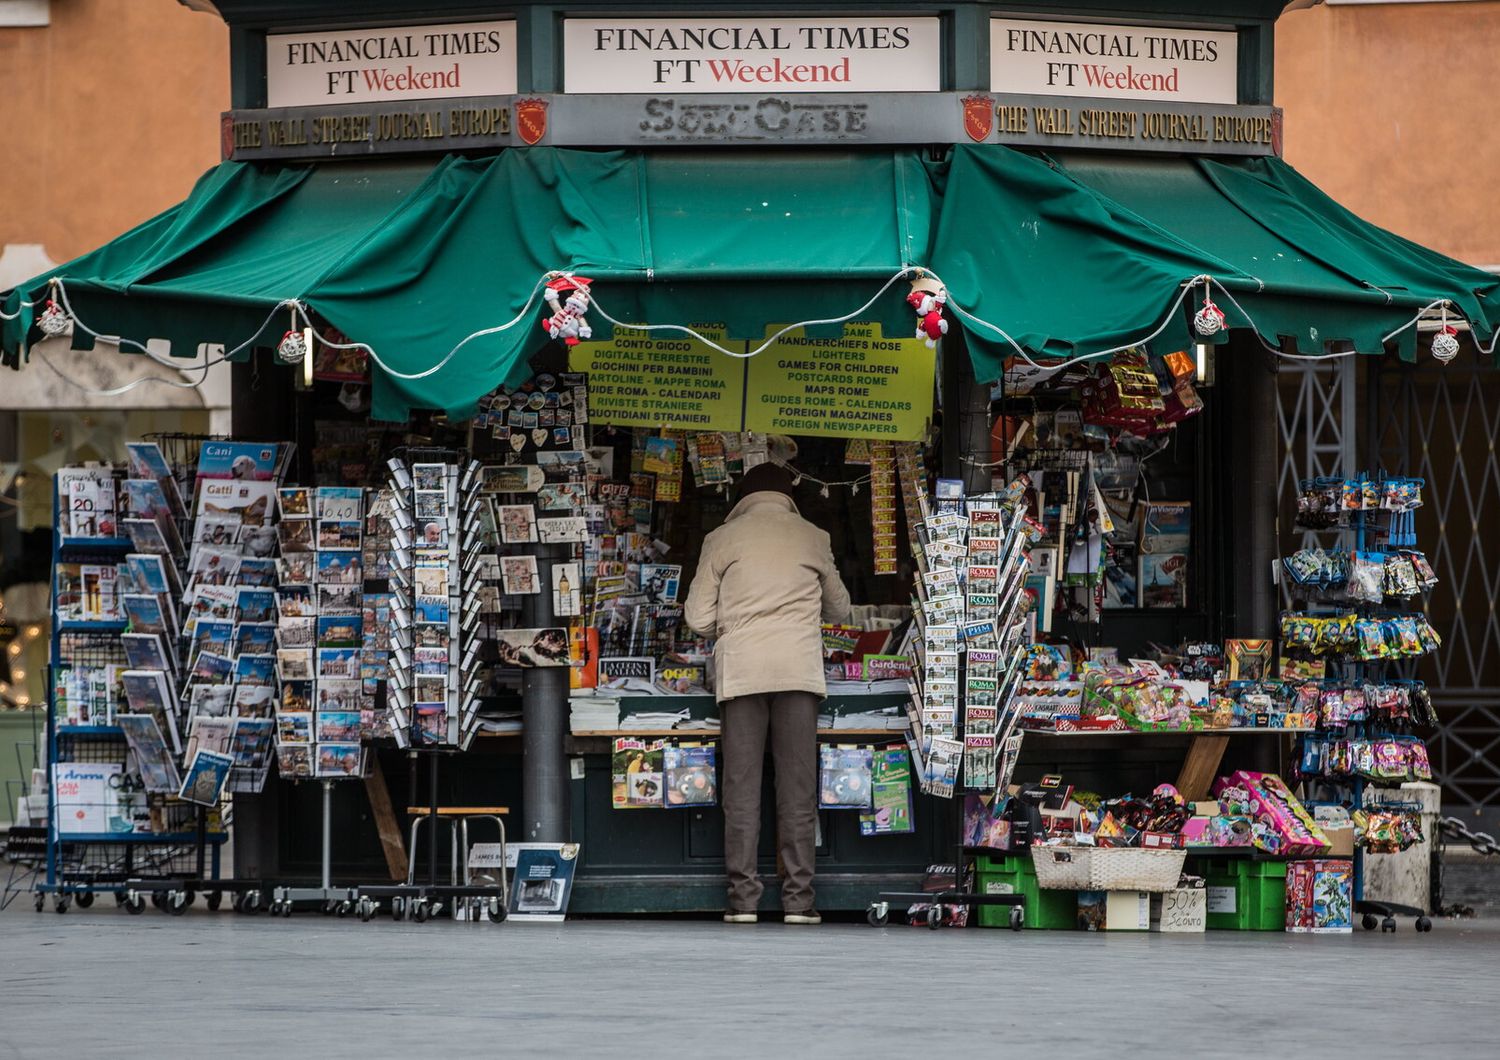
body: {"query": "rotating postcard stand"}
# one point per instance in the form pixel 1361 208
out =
pixel 433 692
pixel 962 561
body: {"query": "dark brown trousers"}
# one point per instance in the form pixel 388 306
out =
pixel 791 718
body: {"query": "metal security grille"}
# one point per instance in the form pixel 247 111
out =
pixel 1315 419
pixel 1441 423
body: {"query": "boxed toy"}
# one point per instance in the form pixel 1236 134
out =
pixel 1320 896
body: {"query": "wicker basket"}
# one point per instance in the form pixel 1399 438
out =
pixel 1134 869
pixel 1063 868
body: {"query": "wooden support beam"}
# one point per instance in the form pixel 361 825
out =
pixel 1201 765
pixel 391 843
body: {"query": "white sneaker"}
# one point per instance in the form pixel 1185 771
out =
pixel 810 917
pixel 732 917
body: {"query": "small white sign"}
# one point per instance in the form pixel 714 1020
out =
pixel 486 855
pixel 888 54
pixel 395 62
pixel 1221 900
pixel 1032 57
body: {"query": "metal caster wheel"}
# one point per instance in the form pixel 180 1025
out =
pixel 420 911
pixel 286 908
pixel 934 916
pixel 496 910
pixel 135 905
pixel 1368 922
pixel 1017 918
pixel 61 903
pixel 1388 924
pixel 119 899
pixel 40 901
pixel 237 903
pixel 214 900
pixel 398 909
pixel 366 910
pixel 159 899
pixel 344 908
pixel 878 915
pixel 176 903
pixel 1424 924
pixel 84 899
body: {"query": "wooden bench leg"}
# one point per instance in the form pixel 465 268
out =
pixel 385 821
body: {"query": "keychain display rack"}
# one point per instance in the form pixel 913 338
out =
pixel 1371 514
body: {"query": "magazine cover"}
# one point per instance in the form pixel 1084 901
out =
pixel 1163 579
pixel 1166 526
pixel 152 574
pixel 206 776
pixel 146 651
pixel 148 691
pixel 691 779
pixel 541 880
pixel 844 777
pixel 147 615
pixel 154 759
pixel 660 581
pixel 252 501
pixel 890 787
pixel 237 460
pixel 637 774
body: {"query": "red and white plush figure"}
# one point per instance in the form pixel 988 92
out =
pixel 927 300
pixel 567 321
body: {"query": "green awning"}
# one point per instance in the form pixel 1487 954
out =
pixel 415 258
pixel 1091 251
pixel 1070 257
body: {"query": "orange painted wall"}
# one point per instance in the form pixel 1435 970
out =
pixel 113 112
pixel 1390 108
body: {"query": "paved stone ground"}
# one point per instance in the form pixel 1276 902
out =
pixel 99 982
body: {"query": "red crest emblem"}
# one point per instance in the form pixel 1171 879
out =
pixel 226 136
pixel 531 119
pixel 979 117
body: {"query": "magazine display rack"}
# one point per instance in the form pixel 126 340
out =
pixel 104 830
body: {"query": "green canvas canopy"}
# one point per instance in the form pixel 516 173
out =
pixel 436 264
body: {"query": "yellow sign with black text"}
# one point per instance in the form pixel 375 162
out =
pixel 862 385
pixel 637 379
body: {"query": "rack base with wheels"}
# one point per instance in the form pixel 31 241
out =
pixel 941 905
pixel 1383 915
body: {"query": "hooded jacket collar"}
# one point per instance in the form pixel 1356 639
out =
pixel 765 500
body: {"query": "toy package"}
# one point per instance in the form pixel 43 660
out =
pixel 1320 896
pixel 1283 824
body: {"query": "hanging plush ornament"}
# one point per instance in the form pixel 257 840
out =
pixel 54 320
pixel 1210 319
pixel 928 299
pixel 1445 343
pixel 568 298
pixel 292 348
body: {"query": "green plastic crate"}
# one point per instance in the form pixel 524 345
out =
pixel 1016 875
pixel 1249 895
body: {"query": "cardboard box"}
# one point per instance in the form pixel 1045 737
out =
pixel 1114 910
pixel 1184 910
pixel 1340 840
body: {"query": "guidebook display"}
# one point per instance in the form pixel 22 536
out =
pixel 970 626
pixel 436 569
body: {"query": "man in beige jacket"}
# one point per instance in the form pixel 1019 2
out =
pixel 766 582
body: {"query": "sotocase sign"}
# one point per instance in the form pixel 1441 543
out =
pixel 1113 62
pixel 392 63
pixel 885 54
